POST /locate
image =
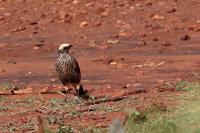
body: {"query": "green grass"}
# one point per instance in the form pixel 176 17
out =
pixel 7 86
pixel 184 119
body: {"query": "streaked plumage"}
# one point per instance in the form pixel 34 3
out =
pixel 68 69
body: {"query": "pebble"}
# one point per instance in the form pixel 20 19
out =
pixel 172 10
pixel 198 21
pixel 12 62
pixel 83 24
pixel 36 47
pixel 185 38
pixel 166 43
pixel 158 17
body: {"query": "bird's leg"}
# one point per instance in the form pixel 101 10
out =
pixel 77 87
pixel 67 90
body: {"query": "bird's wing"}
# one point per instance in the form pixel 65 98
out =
pixel 77 68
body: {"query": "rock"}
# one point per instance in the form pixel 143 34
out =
pixel 119 65
pixel 198 21
pixel 141 43
pixel 2 18
pixel 124 34
pixel 104 14
pixel 197 30
pixel 148 3
pixel 158 17
pixel 2 70
pixel 75 2
pixel 191 28
pixel 89 4
pixel 112 41
pixel 126 86
pixel 65 17
pixel 166 43
pixel 35 32
pixel 83 24
pixel 53 80
pixel 104 46
pixel 83 12
pixel 171 10
pixel 27 90
pixel 92 44
pixel 18 29
pixel 35 47
pixel 33 23
pixel 98 24
pixel 138 5
pixel 39 44
pixel 12 62
pixel 185 37
pixel 155 39
pixel 113 63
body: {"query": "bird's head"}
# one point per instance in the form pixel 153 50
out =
pixel 64 48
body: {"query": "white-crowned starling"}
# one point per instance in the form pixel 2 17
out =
pixel 68 70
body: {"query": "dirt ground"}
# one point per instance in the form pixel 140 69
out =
pixel 132 49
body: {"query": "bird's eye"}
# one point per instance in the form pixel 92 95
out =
pixel 65 48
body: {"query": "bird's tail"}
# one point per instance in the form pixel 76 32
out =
pixel 81 92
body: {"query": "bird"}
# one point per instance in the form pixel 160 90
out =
pixel 68 70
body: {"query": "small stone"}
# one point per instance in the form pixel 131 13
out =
pixel 149 3
pixel 142 43
pixel 123 34
pixel 35 32
pixel 191 28
pixel 89 4
pixel 104 14
pixel 158 17
pixel 171 10
pixel 104 46
pixel 12 62
pixel 126 86
pixel 143 35
pixel 2 70
pixel 198 21
pixel 119 65
pixel 35 47
pixel 113 63
pixel 138 5
pixel 29 72
pixel 52 79
pixel 75 2
pixel 166 43
pixel 185 38
pixel 33 23
pixel 83 24
pixel 65 17
pixel 98 24
pixel 155 39
pixel 2 18
pixel 112 41
pixel 197 30
pixel 92 44
pixel 18 29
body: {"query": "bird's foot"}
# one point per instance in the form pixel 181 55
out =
pixel 66 100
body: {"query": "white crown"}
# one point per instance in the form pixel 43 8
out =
pixel 62 46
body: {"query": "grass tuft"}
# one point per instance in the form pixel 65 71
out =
pixel 184 119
